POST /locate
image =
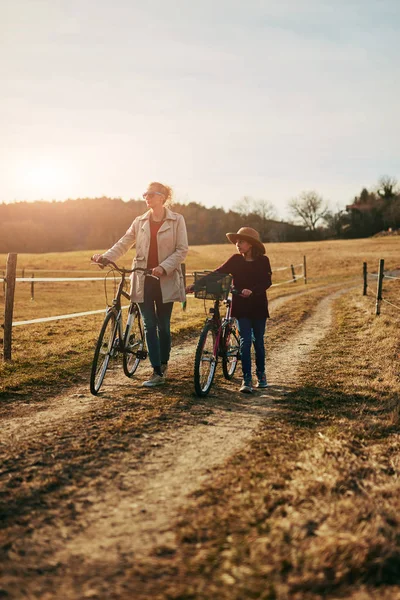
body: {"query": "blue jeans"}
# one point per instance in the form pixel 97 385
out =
pixel 252 330
pixel 156 318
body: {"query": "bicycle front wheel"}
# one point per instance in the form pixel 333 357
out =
pixel 134 347
pixel 205 361
pixel 231 349
pixel 105 350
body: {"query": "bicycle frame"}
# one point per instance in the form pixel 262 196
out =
pixel 218 338
pixel 114 338
pixel 219 322
pixel 116 308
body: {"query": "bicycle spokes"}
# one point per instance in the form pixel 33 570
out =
pixel 231 350
pixel 205 361
pixel 134 346
pixel 106 348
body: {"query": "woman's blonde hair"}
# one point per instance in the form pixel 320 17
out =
pixel 165 190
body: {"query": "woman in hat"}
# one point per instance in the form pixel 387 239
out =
pixel 251 272
pixel 161 245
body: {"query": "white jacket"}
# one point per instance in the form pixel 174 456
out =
pixel 172 246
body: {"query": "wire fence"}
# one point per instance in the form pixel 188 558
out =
pixel 10 280
pixel 381 276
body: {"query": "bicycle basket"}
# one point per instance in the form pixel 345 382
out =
pixel 211 286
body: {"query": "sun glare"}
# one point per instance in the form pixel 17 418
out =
pixel 45 179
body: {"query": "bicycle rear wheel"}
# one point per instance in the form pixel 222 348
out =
pixel 231 352
pixel 205 361
pixel 105 349
pixel 134 346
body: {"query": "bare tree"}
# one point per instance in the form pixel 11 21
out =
pixel 243 206
pixel 249 206
pixel 264 209
pixel 310 207
pixel 258 213
pixel 387 186
pixel 389 194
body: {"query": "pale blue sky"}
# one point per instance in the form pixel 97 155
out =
pixel 218 98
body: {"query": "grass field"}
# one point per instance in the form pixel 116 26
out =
pixel 58 351
pixel 310 508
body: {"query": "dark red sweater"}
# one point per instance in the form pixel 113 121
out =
pixel 152 258
pixel 251 275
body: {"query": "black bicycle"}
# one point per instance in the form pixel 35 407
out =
pixel 113 340
pixel 220 335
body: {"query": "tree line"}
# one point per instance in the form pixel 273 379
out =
pixel 97 223
pixel 371 212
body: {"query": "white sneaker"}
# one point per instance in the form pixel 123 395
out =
pixel 154 381
pixel 261 380
pixel 246 387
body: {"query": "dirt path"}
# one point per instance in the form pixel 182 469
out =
pixel 132 504
pixel 26 420
pixel 141 517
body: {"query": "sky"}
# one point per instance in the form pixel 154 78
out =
pixel 219 99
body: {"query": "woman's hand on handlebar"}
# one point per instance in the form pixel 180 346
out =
pixel 100 259
pixel 157 272
pixel 189 289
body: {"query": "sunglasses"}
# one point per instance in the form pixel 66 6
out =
pixel 152 194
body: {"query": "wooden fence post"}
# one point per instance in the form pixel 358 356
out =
pixel 293 273
pixel 365 277
pixel 183 267
pixel 379 287
pixel 11 269
pixel 33 287
pixel 305 269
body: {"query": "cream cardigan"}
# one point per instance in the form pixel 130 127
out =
pixel 172 244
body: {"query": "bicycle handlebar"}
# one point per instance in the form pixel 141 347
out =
pixel 103 262
pixel 235 292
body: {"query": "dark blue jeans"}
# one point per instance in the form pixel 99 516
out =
pixel 252 330
pixel 156 319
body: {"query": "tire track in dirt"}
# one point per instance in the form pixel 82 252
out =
pixel 139 516
pixel 27 421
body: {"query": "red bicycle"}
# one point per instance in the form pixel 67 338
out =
pixel 219 336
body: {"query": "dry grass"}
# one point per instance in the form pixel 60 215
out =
pixel 47 354
pixel 310 509
pixel 62 349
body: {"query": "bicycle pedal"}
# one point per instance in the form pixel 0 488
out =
pixel 141 354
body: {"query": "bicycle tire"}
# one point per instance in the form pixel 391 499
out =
pixel 231 350
pixel 203 375
pixel 103 352
pixel 134 344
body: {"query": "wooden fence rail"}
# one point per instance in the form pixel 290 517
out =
pixel 10 279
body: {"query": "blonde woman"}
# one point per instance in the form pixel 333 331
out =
pixel 161 245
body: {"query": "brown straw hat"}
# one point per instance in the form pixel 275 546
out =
pixel 249 235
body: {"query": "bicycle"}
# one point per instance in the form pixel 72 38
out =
pixel 112 340
pixel 220 335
